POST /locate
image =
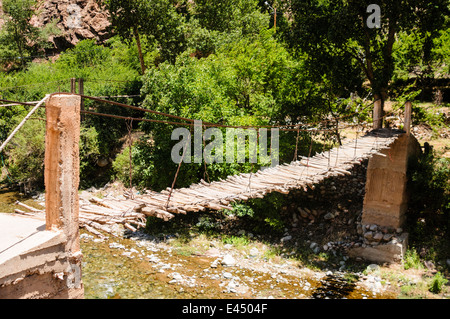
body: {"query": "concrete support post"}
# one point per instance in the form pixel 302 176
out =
pixel 386 197
pixel 62 167
pixel 386 201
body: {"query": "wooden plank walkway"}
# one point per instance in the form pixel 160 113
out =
pixel 101 214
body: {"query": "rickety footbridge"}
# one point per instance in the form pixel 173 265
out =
pixel 302 174
pixel 57 257
pixel 100 214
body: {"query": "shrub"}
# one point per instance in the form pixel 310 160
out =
pixel 437 282
pixel 411 260
pixel 26 154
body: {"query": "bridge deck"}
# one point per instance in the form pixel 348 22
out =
pixel 217 195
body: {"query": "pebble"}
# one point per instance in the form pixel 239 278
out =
pixel 116 245
pixel 373 267
pixel 328 216
pixel 227 275
pixel 228 261
pixel 212 252
pixel 254 252
pixel 378 237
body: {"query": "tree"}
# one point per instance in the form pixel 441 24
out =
pixel 18 36
pixel 331 31
pixel 226 15
pixel 157 20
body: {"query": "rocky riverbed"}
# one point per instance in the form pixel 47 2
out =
pixel 142 266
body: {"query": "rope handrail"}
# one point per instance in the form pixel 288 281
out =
pixel 208 124
pixel 23 122
pixel 190 121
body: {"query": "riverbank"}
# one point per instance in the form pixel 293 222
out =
pixel 182 260
pixel 139 265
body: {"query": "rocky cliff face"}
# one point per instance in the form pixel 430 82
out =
pixel 76 19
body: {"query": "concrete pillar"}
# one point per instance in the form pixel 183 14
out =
pixel 62 176
pixel 386 197
pixel 386 202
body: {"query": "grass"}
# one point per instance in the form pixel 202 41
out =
pixel 239 242
pixel 412 260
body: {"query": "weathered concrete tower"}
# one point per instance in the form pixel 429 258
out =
pixel 43 260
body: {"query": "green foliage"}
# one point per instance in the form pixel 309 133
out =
pixel 107 70
pixel 437 283
pixel 423 55
pixel 121 166
pixel 429 182
pixel 146 23
pixel 252 81
pixel 241 210
pixel 229 15
pixel 89 153
pixel 338 42
pixel 412 260
pixel 206 224
pixel 267 213
pixel 19 39
pixel 26 153
pixel 239 242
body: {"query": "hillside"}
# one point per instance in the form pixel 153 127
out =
pixel 75 20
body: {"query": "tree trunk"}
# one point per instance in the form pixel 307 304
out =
pixel 378 110
pixel 138 43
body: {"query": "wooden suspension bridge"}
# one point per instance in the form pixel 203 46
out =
pixel 131 210
pixel 44 259
pixel 101 214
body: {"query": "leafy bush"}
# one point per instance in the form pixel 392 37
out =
pixel 107 70
pixel 412 260
pixel 437 283
pixel 26 154
pixel 247 82
pixel 429 181
pixel 241 210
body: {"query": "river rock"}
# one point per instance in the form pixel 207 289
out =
pixel 387 237
pixel 378 236
pixel 227 275
pixel 314 247
pixel 368 235
pixel 215 263
pixel 212 252
pixel 116 245
pixel 373 267
pixel 303 213
pixel 228 261
pixel 254 252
